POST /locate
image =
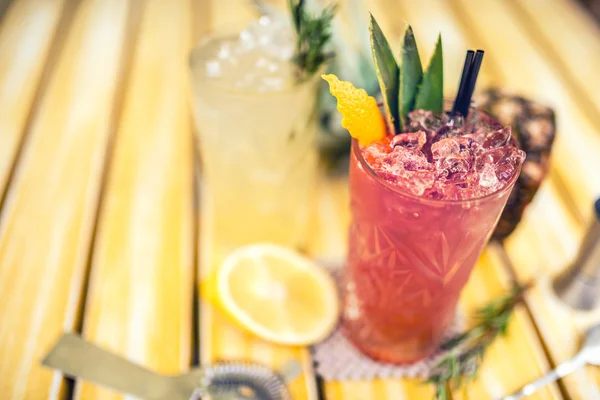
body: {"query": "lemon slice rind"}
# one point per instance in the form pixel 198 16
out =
pixel 324 283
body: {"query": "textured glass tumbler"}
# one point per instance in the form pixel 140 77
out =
pixel 258 159
pixel 409 258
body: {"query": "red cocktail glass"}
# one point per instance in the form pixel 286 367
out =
pixel 409 258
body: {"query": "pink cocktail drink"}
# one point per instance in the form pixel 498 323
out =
pixel 424 204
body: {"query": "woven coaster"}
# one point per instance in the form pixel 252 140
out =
pixel 337 359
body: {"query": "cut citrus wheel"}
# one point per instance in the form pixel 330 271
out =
pixel 360 113
pixel 278 294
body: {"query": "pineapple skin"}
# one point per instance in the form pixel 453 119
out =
pixel 534 128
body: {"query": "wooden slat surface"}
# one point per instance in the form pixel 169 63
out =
pixel 95 118
pixel 568 35
pixel 26 34
pixel 46 224
pixel 140 298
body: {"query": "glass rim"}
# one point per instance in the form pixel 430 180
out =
pixel 403 192
pixel 206 39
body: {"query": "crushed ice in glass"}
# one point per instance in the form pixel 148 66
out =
pixel 446 157
pixel 256 60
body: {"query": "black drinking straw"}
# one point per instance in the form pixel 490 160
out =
pixel 463 80
pixel 472 80
pixel 467 82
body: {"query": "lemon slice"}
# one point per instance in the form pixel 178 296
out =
pixel 277 294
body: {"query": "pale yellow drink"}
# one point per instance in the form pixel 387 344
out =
pixel 256 143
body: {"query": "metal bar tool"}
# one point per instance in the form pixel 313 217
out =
pixel 79 358
pixel 579 285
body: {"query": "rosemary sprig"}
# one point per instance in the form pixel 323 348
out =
pixel 467 350
pixel 313 34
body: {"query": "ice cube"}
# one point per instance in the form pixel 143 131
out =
pixel 421 120
pixel 224 51
pixel 463 147
pixel 490 157
pixel 253 56
pixel 443 132
pixel 247 40
pixel 427 119
pixel 503 161
pixel 483 126
pixel 509 164
pixel 411 160
pixel 411 140
pixel 454 165
pixel 445 148
pixel 417 181
pixel 395 169
pixel 375 153
pixel 264 20
pixel 273 36
pixel 487 176
pixel 497 138
pixel 467 180
pixel 476 148
pixel 212 69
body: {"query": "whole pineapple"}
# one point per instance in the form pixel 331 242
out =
pixel 534 127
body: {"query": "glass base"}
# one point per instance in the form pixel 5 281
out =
pixel 399 353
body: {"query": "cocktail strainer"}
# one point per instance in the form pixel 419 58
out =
pixel 78 358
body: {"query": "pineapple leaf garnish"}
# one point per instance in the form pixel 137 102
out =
pixel 431 90
pixel 406 87
pixel 388 74
pixel 411 74
pixel 313 35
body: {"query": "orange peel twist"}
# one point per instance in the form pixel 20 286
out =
pixel 360 114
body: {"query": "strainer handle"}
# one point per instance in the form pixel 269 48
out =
pixel 79 358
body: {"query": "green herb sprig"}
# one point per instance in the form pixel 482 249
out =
pixel 467 350
pixel 406 87
pixel 313 35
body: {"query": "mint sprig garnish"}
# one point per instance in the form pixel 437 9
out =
pixel 406 87
pixel 313 34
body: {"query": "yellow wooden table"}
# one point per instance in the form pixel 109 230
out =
pixel 99 232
